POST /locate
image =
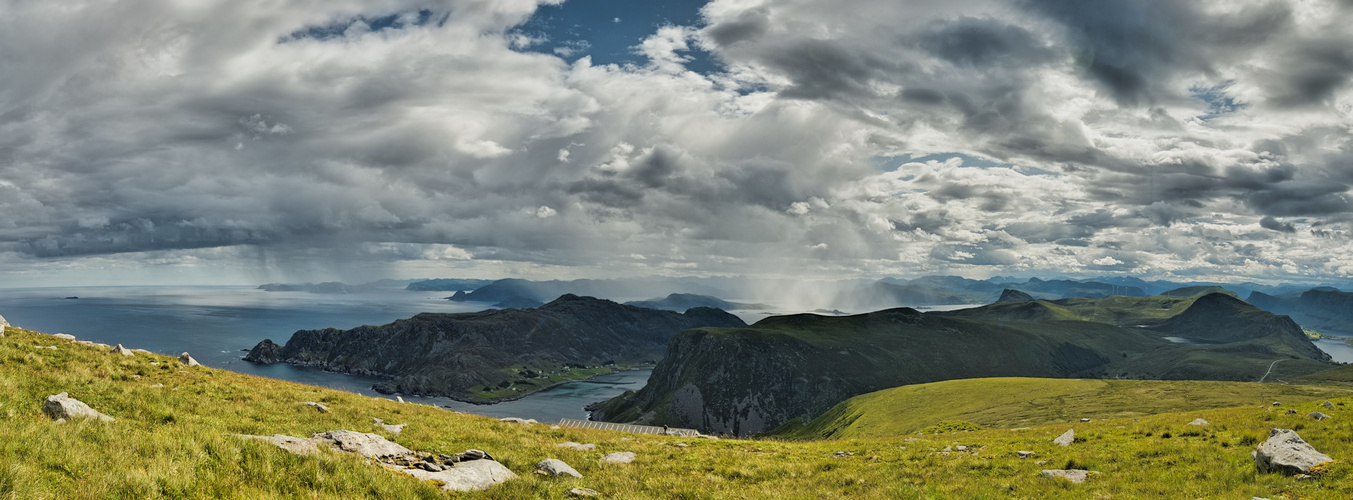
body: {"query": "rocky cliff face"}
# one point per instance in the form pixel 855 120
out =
pixel 1325 310
pixel 751 380
pixel 452 354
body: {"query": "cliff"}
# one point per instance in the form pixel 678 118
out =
pixel 494 354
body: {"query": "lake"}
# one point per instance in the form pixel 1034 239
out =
pixel 214 324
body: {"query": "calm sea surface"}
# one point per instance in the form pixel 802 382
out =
pixel 215 323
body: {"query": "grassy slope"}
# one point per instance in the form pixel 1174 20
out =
pixel 1019 402
pixel 168 443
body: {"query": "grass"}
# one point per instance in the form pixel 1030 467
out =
pixel 169 442
pixel 1021 402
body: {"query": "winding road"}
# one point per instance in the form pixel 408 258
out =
pixel 1270 369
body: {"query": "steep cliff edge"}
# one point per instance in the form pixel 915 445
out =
pixel 751 380
pixel 494 354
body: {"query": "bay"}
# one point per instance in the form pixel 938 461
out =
pixel 215 325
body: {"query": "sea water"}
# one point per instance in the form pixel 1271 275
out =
pixel 216 325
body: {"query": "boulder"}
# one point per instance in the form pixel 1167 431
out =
pixel 188 360
pixel 393 429
pixel 1077 476
pixel 576 446
pixel 1066 438
pixel 295 445
pixel 555 468
pixel 583 492
pixel 1024 454
pixel 62 407
pixel 1317 415
pixel 464 476
pixel 361 443
pixel 1198 422
pixel 1285 452
pixel 320 407
pixel 122 350
pixel 3 325
pixel 64 336
pixel 1290 412
pixel 620 457
pixel 1326 404
pixel 265 353
pixel 515 420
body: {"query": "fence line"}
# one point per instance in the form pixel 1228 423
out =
pixel 637 429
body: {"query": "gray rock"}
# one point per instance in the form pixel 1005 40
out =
pixel 1198 422
pixel 515 420
pixel 1290 412
pixel 1318 416
pixel 3 325
pixel 1327 404
pixel 1085 420
pixel 188 360
pixel 265 353
pixel 473 454
pixel 1024 454
pixel 583 492
pixel 62 407
pixel 361 443
pixel 576 446
pixel 1285 452
pixel 465 476
pixel 320 407
pixel 122 350
pixel 1066 438
pixel 620 457
pixel 1077 476
pixel 64 336
pixel 295 445
pixel 555 468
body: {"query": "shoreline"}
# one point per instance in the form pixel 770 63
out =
pixel 516 397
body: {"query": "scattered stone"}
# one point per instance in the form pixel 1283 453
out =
pixel 430 466
pixel 515 420
pixel 1041 462
pixel 188 360
pixel 466 476
pixel 62 407
pixel 320 407
pixel 64 336
pixel 1199 422
pixel 1275 403
pixel 1066 438
pixel 1317 415
pixel 1024 454
pixel 473 454
pixel 620 457
pixel 554 427
pixel 576 446
pixel 1085 420
pixel 157 385
pixel 682 445
pixel 1327 404
pixel 3 325
pixel 361 443
pixel 555 468
pixel 961 448
pixel 292 444
pixel 1076 476
pixel 583 492
pixel 842 454
pixel 1285 452
pixel 1290 412
pixel 122 350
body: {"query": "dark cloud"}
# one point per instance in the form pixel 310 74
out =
pixel 1274 224
pixel 974 42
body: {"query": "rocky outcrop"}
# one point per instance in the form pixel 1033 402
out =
pixel 1066 438
pixel 1012 295
pixel 554 467
pixel 122 350
pixel 469 471
pixel 1286 453
pixel 1076 476
pixel 3 325
pixel 462 355
pixel 1321 309
pixel 188 360
pixel 62 407
pixel 265 353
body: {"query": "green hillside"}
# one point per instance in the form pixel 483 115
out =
pixel 1022 402
pixel 169 441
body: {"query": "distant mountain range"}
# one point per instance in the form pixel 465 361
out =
pixel 750 380
pixel 1322 309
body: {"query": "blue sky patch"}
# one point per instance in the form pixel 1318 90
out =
pixel 609 30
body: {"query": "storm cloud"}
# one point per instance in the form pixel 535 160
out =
pixel 834 139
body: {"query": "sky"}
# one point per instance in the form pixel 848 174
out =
pixel 243 141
